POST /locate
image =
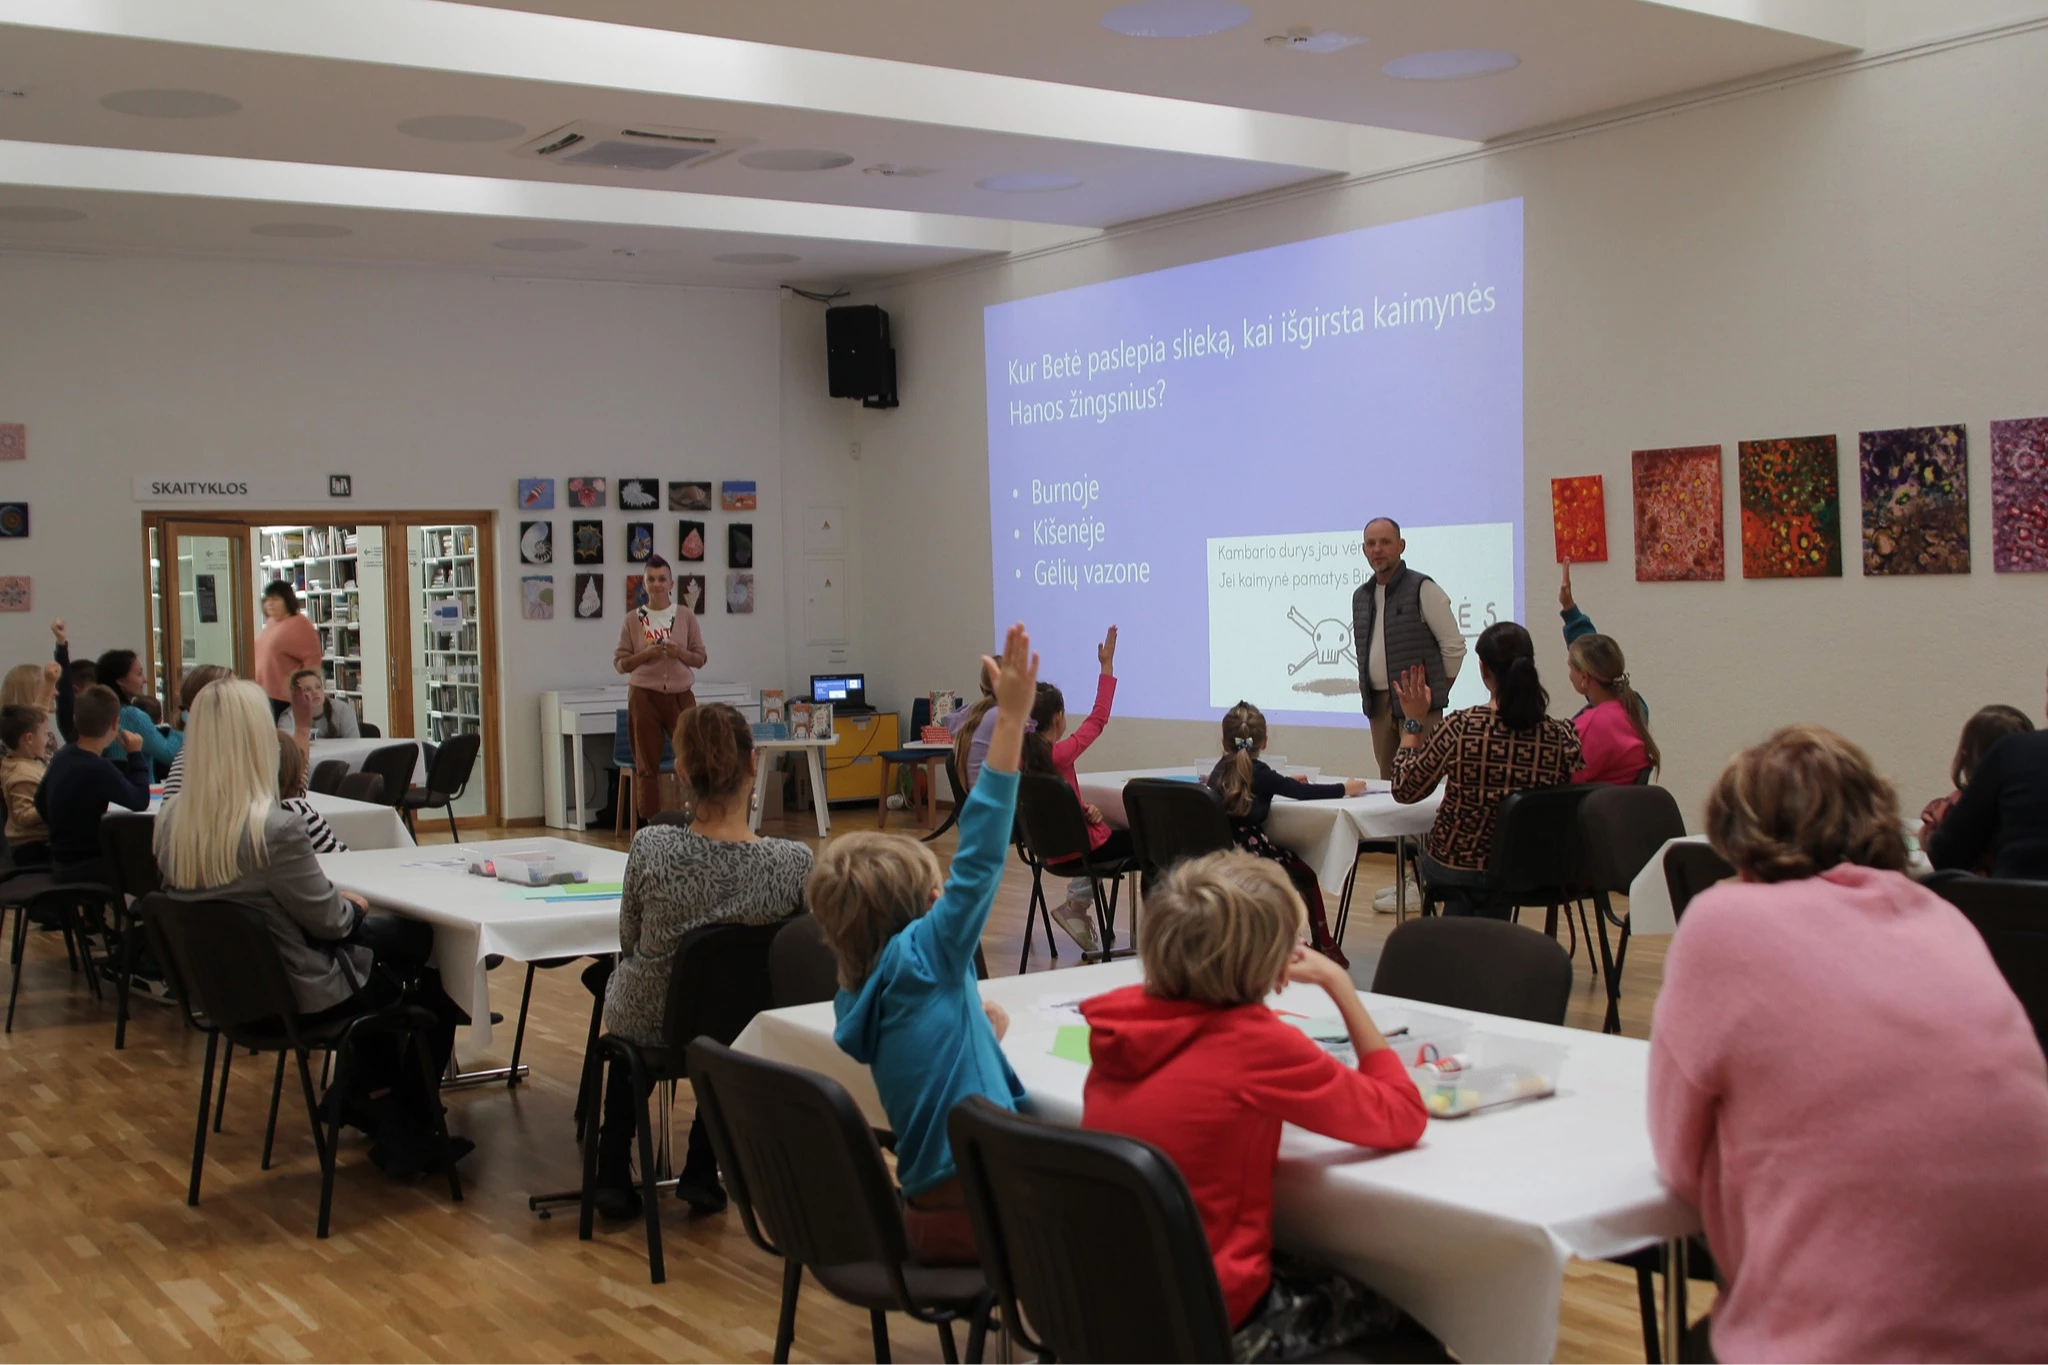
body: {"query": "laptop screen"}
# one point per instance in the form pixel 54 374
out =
pixel 841 689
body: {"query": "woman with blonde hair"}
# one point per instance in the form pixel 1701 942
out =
pixel 226 836
pixel 1614 728
pixel 1845 1086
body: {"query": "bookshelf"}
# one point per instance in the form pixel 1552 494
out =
pixel 450 672
pixel 320 562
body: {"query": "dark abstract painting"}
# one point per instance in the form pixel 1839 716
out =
pixel 1916 501
pixel 1791 508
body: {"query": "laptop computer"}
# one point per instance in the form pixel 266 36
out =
pixel 848 692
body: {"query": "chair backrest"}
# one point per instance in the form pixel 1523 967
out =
pixel 362 787
pixel 1049 816
pixel 394 763
pixel 920 716
pixel 801 968
pixel 1622 828
pixel 1536 854
pixel 1487 965
pixel 800 1162
pixel 448 773
pixel 2013 918
pixel 719 982
pixel 220 959
pixel 327 776
pixel 622 745
pixel 1690 869
pixel 1062 1214
pixel 128 852
pixel 369 729
pixel 1172 821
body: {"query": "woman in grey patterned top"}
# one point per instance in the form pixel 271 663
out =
pixel 716 872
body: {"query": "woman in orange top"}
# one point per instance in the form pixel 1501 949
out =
pixel 287 643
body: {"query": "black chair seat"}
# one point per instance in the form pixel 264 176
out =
pixel 1052 833
pixel 865 1284
pixel 419 798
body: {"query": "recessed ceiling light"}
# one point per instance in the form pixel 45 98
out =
pixel 169 103
pixel 1176 18
pixel 1451 64
pixel 38 213
pixel 757 258
pixel 541 244
pixel 890 168
pixel 302 230
pixel 461 128
pixel 1026 183
pixel 1309 40
pixel 795 159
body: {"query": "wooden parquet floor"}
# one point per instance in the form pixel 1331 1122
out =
pixel 101 1259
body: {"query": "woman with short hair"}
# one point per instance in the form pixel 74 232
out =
pixel 1845 1086
pixel 287 643
pixel 316 712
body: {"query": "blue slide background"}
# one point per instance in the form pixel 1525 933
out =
pixel 1414 420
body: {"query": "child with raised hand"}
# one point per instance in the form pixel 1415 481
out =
pixel 908 1006
pixel 1248 787
pixel 1048 748
pixel 1195 1063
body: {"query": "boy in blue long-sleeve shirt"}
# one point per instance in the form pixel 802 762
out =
pixel 908 1006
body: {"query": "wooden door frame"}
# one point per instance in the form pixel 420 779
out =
pixel 168 526
pixel 397 602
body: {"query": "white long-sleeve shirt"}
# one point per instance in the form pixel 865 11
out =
pixel 1436 614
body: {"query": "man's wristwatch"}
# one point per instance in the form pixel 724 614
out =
pixel 1411 726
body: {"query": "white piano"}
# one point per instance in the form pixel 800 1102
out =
pixel 578 731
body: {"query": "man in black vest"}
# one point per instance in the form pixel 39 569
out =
pixel 1400 618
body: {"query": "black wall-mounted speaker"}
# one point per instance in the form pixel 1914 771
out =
pixel 859 361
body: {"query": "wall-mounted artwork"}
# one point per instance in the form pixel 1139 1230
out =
pixel 586 492
pixel 13 519
pixel 536 495
pixel 690 541
pixel 739 594
pixel 589 596
pixel 537 597
pixel 636 592
pixel 639 495
pixel 1791 508
pixel 1578 514
pixel 690 495
pixel 2019 495
pixel 1678 514
pixel 739 545
pixel 639 541
pixel 1916 500
pixel 536 542
pixel 13 441
pixel 14 593
pixel 737 495
pixel 587 538
pixel 690 592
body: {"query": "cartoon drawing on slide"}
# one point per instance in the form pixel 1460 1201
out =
pixel 1332 647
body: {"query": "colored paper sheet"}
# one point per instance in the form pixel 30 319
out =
pixel 1916 500
pixel 1791 508
pixel 2019 495
pixel 1578 513
pixel 1678 514
pixel 1070 1043
pixel 575 891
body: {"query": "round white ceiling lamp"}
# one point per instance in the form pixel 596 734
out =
pixel 795 159
pixel 1451 64
pixel 461 128
pixel 757 258
pixel 540 244
pixel 1028 183
pixel 38 213
pixel 303 231
pixel 170 103
pixel 1310 40
pixel 1176 18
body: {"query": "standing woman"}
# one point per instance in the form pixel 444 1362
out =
pixel 287 643
pixel 121 669
pixel 660 649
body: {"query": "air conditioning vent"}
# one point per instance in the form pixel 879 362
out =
pixel 614 147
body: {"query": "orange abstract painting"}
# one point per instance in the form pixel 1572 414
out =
pixel 1678 514
pixel 1578 511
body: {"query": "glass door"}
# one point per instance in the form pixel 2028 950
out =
pixel 200 575
pixel 450 636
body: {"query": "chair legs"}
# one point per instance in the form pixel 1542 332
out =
pixel 205 1104
pixel 948 1351
pixel 650 1203
pixel 276 1093
pixel 1646 1303
pixel 878 1328
pixel 1034 912
pixel 1602 914
pixel 227 1064
pixel 519 1034
pixel 453 837
pixel 785 1322
pixel 17 950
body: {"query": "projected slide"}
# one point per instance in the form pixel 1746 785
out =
pixel 1193 454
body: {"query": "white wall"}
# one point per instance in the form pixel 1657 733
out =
pixel 1854 252
pixel 436 390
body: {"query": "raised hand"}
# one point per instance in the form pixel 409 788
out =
pixel 57 629
pixel 1564 594
pixel 1413 692
pixel 131 741
pixel 1016 672
pixel 1105 653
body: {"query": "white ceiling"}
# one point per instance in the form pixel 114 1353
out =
pixel 964 89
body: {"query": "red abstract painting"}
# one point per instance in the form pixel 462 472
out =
pixel 1578 511
pixel 2019 495
pixel 1678 514
pixel 1791 508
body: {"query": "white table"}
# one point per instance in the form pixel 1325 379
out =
pixel 569 720
pixel 362 825
pixel 1649 895
pixel 1470 1231
pixel 814 754
pixel 1325 833
pixel 474 917
pixel 354 751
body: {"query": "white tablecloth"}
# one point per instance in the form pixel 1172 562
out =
pixel 1649 895
pixel 354 751
pixel 1470 1231
pixel 361 824
pixel 1324 833
pixel 474 917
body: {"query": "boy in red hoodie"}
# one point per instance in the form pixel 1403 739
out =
pixel 1195 1063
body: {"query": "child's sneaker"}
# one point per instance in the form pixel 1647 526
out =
pixel 1078 919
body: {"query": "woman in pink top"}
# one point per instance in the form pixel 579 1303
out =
pixel 1614 728
pixel 1845 1086
pixel 1048 748
pixel 287 643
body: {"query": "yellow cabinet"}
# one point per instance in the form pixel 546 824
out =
pixel 853 772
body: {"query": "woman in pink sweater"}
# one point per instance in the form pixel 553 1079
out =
pixel 1845 1086
pixel 1048 748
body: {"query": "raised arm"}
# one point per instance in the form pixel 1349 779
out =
pixel 1418 767
pixel 66 693
pixel 128 784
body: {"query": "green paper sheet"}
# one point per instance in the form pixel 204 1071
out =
pixel 1071 1043
pixel 595 891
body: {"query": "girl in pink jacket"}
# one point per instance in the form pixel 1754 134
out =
pixel 1048 748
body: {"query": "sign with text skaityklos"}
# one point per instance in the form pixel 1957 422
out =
pixel 282 490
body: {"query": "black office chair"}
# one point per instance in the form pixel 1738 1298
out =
pixel 2013 918
pixel 369 729
pixel 803 1167
pixel 223 965
pixel 365 787
pixel 1056 835
pixel 128 853
pixel 1480 964
pixel 1690 869
pixel 1172 821
pixel 394 763
pixel 718 983
pixel 1622 828
pixel 1059 1213
pixel 80 910
pixel 447 779
pixel 801 968
pixel 958 787
pixel 905 759
pixel 327 776
pixel 1535 860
